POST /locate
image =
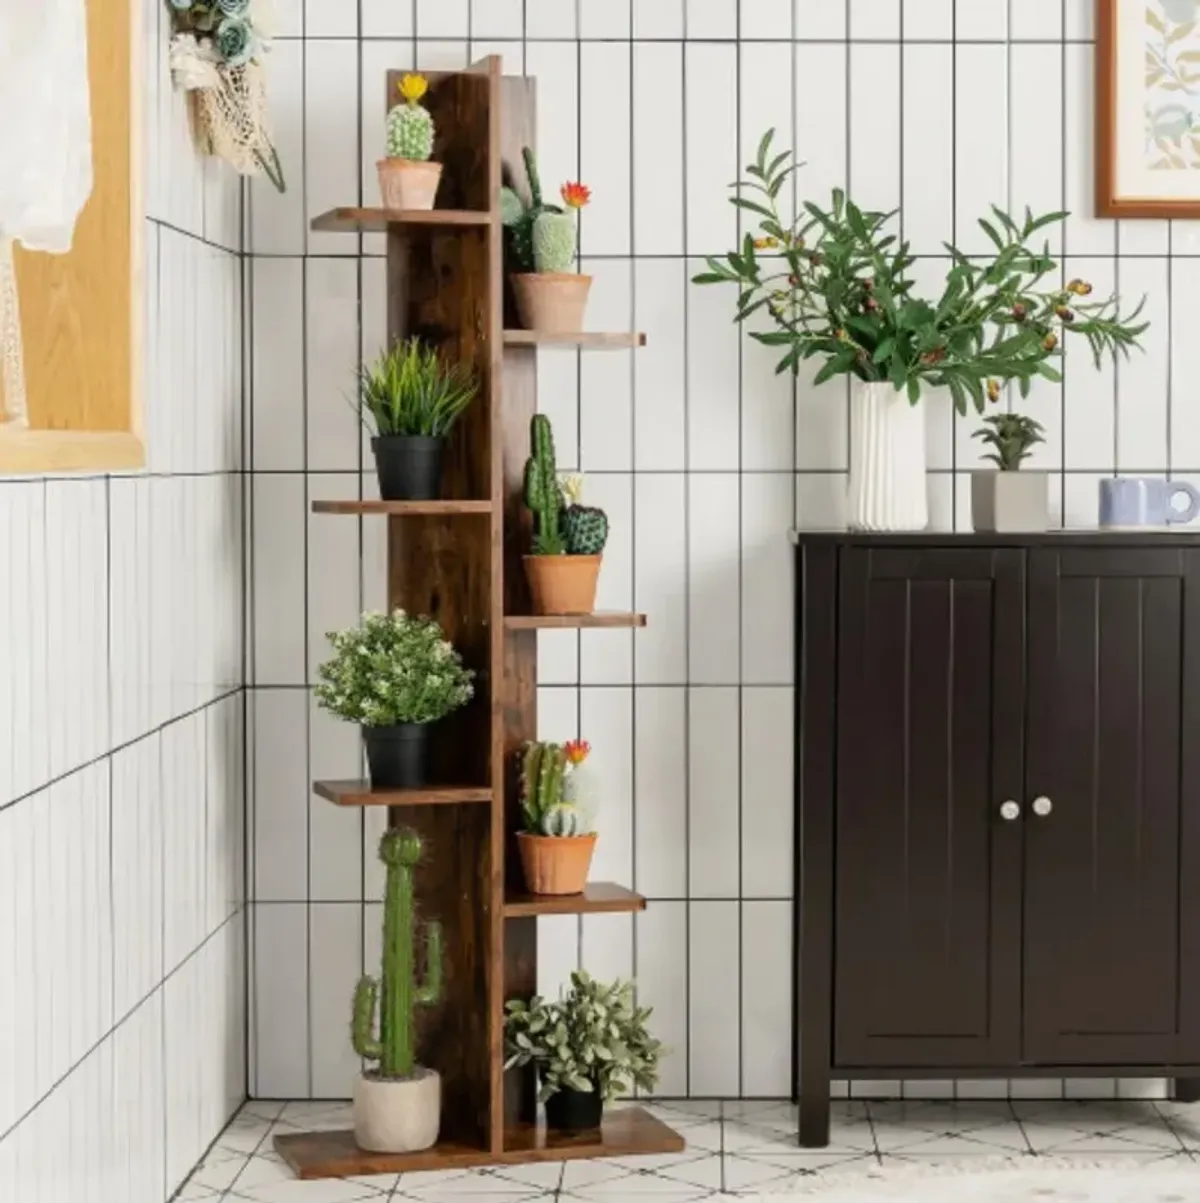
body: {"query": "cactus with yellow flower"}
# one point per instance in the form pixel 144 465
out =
pixel 407 179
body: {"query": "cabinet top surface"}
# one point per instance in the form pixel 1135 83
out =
pixel 1169 537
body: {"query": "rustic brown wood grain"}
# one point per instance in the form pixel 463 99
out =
pixel 402 508
pixel 587 339
pixel 359 793
pixel 379 221
pixel 598 897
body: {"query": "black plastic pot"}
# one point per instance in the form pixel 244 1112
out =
pixel 409 467
pixel 574 1110
pixel 396 756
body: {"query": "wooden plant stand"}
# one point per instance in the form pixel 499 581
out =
pixel 459 560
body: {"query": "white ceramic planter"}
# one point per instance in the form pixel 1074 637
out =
pixel 1010 502
pixel 888 491
pixel 397 1117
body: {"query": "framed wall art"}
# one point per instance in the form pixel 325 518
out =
pixel 1148 108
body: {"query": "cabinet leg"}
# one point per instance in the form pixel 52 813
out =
pixel 1187 1090
pixel 814 1119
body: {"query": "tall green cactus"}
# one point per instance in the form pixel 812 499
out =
pixel 520 218
pixel 543 767
pixel 542 493
pixel 401 994
pixel 554 242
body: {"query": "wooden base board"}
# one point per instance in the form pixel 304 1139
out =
pixel 627 1132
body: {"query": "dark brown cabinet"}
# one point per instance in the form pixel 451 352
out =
pixel 997 808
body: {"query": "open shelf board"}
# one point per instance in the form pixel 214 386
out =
pixel 359 793
pixel 445 283
pixel 627 1132
pixel 601 618
pixel 399 508
pixel 378 221
pixel 598 897
pixel 586 339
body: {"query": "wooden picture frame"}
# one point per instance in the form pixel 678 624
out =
pixel 1147 109
pixel 82 313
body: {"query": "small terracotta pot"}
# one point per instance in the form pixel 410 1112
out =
pixel 563 584
pixel 408 183
pixel 556 864
pixel 552 302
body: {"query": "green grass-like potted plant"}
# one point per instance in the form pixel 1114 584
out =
pixel 589 1047
pixel 1010 499
pixel 410 398
pixel 836 286
pixel 563 566
pixel 556 842
pixel 395 676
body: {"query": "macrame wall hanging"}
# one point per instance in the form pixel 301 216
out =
pixel 218 52
pixel 45 154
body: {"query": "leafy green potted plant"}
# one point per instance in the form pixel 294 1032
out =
pixel 407 179
pixel 589 1047
pixel 395 675
pixel 568 538
pixel 397 1106
pixel 557 842
pixel 835 285
pixel 410 399
pixel 1009 499
pixel 541 243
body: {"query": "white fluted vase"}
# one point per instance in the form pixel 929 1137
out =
pixel 887 460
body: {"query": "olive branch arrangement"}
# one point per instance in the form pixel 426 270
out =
pixel 837 286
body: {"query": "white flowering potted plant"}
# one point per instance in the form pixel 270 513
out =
pixel 395 675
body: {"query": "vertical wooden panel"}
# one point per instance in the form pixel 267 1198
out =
pixel 513 1093
pixel 927 879
pixel 1102 868
pixel 80 311
pixel 442 286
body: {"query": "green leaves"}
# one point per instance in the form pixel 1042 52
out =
pixel 593 1038
pixel 410 390
pixel 835 282
pixel 1012 437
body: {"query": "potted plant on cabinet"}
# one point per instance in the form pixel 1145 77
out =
pixel 568 538
pixel 836 285
pixel 550 297
pixel 397 1107
pixel 407 179
pixel 557 842
pixel 409 398
pixel 588 1048
pixel 395 675
pixel 1009 499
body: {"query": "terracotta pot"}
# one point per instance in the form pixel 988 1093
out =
pixel 563 584
pixel 556 864
pixel 408 183
pixel 552 302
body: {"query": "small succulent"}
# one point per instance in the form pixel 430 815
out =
pixel 1012 437
pixel 409 126
pixel 585 529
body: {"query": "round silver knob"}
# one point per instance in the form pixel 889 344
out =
pixel 1009 811
pixel 1042 806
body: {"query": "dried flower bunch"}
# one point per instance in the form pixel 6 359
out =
pixel 393 669
pixel 226 27
pixel 836 284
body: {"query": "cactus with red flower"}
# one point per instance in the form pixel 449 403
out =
pixel 541 237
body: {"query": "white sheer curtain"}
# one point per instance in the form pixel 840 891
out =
pixel 45 150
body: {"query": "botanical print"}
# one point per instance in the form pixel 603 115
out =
pixel 1172 85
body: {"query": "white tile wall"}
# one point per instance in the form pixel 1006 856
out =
pixel 122 958
pixel 702 456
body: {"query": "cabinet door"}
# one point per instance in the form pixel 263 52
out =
pixel 930 723
pixel 1112 885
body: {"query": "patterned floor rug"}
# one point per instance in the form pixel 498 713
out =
pixel 1028 1180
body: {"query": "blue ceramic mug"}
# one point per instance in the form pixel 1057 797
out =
pixel 1133 502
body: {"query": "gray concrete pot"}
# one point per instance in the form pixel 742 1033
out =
pixel 397 1116
pixel 1010 502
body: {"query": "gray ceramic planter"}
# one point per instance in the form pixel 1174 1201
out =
pixel 1010 502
